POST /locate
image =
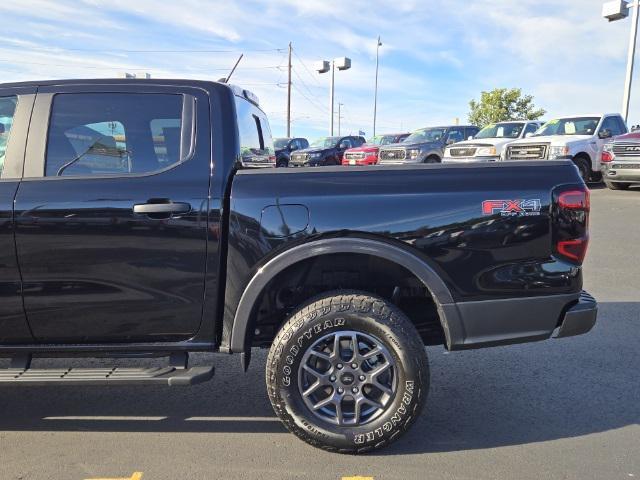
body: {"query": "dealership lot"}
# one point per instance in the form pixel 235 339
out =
pixel 558 409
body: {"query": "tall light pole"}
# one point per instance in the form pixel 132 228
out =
pixel 342 63
pixel 339 116
pixel 617 10
pixel 375 95
pixel 289 95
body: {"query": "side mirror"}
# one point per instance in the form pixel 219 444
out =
pixel 528 134
pixel 604 133
pixel 470 137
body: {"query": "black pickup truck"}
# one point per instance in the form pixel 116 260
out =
pixel 128 228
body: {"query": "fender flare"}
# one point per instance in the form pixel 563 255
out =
pixel 448 313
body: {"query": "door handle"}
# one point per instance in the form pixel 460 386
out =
pixel 165 207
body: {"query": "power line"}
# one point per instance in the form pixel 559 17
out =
pixel 97 67
pixel 118 50
pixel 307 69
pixel 313 102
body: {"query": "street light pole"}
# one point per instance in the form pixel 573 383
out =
pixel 339 116
pixel 630 60
pixel 323 66
pixel 331 94
pixel 375 95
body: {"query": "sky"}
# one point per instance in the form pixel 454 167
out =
pixel 436 55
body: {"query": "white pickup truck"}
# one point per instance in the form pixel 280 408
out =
pixel 489 143
pixel 578 138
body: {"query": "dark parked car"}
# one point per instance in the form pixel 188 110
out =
pixel 123 241
pixel 426 145
pixel 284 147
pixel 325 151
pixel 367 154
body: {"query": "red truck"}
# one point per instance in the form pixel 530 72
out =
pixel 367 154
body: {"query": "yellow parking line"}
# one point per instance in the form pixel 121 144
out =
pixel 357 478
pixel 135 476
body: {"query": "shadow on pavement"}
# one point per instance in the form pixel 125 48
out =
pixel 479 399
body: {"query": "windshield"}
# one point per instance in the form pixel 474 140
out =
pixel 280 142
pixel 426 135
pixel 381 140
pixel 325 142
pixel 569 126
pixel 501 130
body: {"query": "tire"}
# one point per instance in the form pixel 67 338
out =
pixel 282 163
pixel 432 159
pixel 377 325
pixel 584 167
pixel 617 185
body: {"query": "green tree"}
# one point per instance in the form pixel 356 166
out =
pixel 502 104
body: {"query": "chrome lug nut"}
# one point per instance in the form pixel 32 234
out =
pixel 332 378
pixel 354 365
pixel 354 389
pixel 362 378
pixel 339 366
pixel 340 390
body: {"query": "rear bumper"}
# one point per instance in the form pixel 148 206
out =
pixel 519 320
pixel 579 318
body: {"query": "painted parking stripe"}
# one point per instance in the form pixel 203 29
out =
pixel 135 476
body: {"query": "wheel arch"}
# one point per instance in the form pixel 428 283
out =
pixel 241 331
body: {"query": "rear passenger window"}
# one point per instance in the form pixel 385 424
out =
pixel 256 144
pixel 7 111
pixel 114 133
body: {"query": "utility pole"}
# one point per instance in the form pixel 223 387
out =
pixel 289 96
pixel 375 95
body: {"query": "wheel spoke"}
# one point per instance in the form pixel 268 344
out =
pixel 372 353
pixel 336 347
pixel 381 387
pixel 323 403
pixel 312 388
pixel 321 355
pixel 374 373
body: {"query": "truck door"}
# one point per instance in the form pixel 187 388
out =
pixel 111 216
pixel 15 111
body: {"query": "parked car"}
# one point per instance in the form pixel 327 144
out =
pixel 488 144
pixel 325 151
pixel 425 145
pixel 367 154
pixel 284 147
pixel 121 241
pixel 577 138
pixel 620 162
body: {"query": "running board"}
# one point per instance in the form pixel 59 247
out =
pixel 177 373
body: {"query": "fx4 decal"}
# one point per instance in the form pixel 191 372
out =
pixel 512 208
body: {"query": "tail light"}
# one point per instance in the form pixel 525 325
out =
pixel 272 159
pixel 571 223
pixel 606 157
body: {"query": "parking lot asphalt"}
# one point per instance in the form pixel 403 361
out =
pixel 565 408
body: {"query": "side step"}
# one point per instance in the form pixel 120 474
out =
pixel 177 373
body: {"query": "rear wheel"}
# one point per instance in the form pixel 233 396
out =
pixel 348 372
pixel 584 167
pixel 617 185
pixel 282 162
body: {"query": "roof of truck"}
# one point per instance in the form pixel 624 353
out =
pixel 99 81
